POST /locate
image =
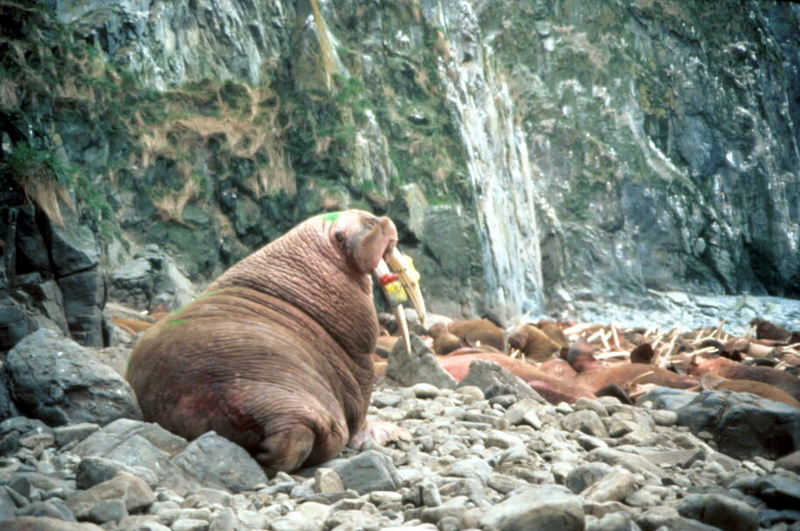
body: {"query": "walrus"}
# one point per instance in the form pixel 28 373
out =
pixel 733 370
pixel 276 354
pixel 533 342
pixel 714 381
pixel 479 333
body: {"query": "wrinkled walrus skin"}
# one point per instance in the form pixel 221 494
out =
pixel 276 354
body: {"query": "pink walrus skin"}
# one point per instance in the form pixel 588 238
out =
pixel 276 354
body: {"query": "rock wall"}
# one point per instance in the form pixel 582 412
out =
pixel 574 150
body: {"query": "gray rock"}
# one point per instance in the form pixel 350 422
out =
pixel 524 412
pixel 73 432
pixel 631 462
pixel 133 491
pixel 219 463
pixel 539 507
pixel 135 443
pixel 107 511
pixel 62 382
pixel 743 424
pixel 138 283
pixel 614 521
pixel 35 523
pixel 668 518
pixel 366 472
pixel 94 470
pixel 52 508
pixel 778 491
pixel 188 524
pixel 141 522
pixel 493 380
pixel 586 421
pixel 13 430
pixel 472 467
pixel 720 511
pixel 613 487
pixel 790 462
pixel 666 398
pixel 420 366
pixel 84 296
pixel 8 508
pixel 582 476
pixel 15 323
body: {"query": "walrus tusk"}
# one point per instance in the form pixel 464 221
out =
pixel 409 278
pixel 400 315
pixel 396 294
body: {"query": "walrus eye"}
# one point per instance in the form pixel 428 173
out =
pixel 340 238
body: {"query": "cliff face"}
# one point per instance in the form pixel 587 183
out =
pixel 531 152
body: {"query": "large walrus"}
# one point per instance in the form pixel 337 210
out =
pixel 276 353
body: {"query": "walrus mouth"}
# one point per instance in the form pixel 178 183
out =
pixel 400 282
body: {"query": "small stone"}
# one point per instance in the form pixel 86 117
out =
pixel 187 524
pixel 425 390
pixel 586 421
pixel 501 439
pixel 622 427
pixel 539 507
pixel 472 467
pixel 593 405
pixel 327 480
pixel 471 393
pixel 429 494
pixel 581 477
pixel 368 471
pixel 613 487
pixel 141 522
pixel 107 511
pixel 664 417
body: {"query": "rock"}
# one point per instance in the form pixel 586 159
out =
pixel 15 324
pixel 32 523
pixel 790 462
pixel 418 367
pixel 586 421
pixel 52 508
pixel 668 518
pixel 94 470
pixel 473 467
pixel 668 399
pixel 152 277
pixel 15 429
pixel 778 491
pixel 131 490
pixel 539 507
pixel 743 424
pixel 583 476
pixel 524 411
pixel 73 432
pixel 719 511
pixel 219 463
pixel 493 380
pixel 613 487
pixel 114 442
pixel 327 480
pixel 61 382
pixel 141 522
pixel 366 472
pixel 84 296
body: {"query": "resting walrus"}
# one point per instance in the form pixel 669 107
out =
pixel 276 354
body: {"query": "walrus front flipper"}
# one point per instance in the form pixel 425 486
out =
pixel 286 450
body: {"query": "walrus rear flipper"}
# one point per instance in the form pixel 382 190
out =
pixel 286 450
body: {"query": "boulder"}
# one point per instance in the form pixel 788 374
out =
pixel 537 507
pixel 61 382
pixel 149 279
pixel 419 366
pixel 494 380
pixel 742 424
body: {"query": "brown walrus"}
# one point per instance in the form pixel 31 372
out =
pixel 713 381
pixel 276 355
pixel 478 333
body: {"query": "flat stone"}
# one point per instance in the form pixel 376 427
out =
pixel 539 507
pixel 366 472
pixel 220 463
pixel 613 487
pixel 586 421
pixel 133 490
pixel 720 511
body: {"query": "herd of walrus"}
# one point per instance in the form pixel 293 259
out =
pixel 280 353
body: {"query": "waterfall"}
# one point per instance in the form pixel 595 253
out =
pixel 497 160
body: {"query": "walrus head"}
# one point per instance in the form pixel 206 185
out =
pixel 363 238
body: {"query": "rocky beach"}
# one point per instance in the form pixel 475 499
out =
pixel 489 453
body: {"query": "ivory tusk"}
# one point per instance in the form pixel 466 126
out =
pixel 409 278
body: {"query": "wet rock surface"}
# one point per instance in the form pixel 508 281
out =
pixel 481 455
